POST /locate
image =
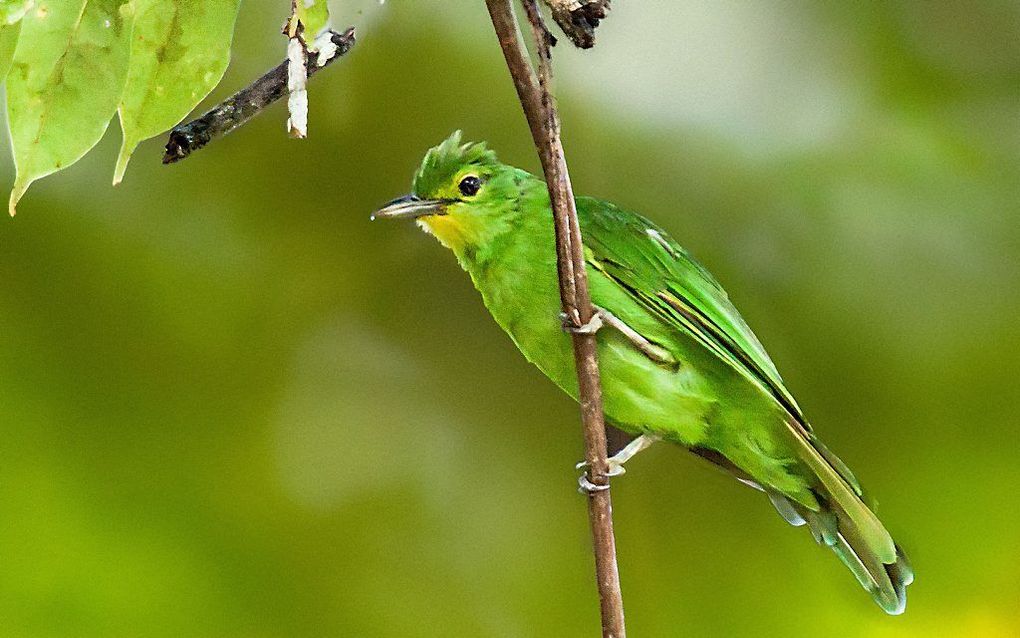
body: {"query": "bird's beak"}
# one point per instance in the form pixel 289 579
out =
pixel 410 207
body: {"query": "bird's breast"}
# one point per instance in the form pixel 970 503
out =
pixel 523 297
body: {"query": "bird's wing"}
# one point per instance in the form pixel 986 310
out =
pixel 656 271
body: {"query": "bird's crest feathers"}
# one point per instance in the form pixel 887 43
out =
pixel 443 162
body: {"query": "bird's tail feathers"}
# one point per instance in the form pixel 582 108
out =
pixel 849 527
pixel 884 578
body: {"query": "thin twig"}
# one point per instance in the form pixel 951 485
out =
pixel 245 104
pixel 540 109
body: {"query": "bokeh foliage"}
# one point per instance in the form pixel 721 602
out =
pixel 231 406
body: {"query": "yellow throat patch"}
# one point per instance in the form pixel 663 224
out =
pixel 453 231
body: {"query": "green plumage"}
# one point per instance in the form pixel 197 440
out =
pixel 723 398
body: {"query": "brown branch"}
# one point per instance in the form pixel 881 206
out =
pixel 244 105
pixel 540 109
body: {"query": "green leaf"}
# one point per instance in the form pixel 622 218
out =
pixel 314 16
pixel 8 42
pixel 179 51
pixel 64 88
pixel 13 10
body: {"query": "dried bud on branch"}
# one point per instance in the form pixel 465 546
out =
pixel 579 18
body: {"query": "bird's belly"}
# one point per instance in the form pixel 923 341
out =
pixel 639 395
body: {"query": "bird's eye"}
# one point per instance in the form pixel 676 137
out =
pixel 470 185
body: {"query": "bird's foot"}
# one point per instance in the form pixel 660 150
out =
pixel 591 327
pixel 584 484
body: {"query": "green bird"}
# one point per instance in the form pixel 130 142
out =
pixel 678 362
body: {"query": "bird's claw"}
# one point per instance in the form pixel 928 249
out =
pixel 591 327
pixel 584 484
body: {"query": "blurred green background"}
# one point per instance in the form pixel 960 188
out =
pixel 232 406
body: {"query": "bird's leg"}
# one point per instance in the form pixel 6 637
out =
pixel 617 460
pixel 615 463
pixel 603 317
pixel 643 442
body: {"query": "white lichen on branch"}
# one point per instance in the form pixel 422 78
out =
pixel 297 78
pixel 308 32
pixel 325 46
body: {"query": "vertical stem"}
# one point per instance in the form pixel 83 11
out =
pixel 540 110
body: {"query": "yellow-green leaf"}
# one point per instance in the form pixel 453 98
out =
pixel 8 41
pixel 11 13
pixel 13 10
pixel 65 83
pixel 179 51
pixel 314 17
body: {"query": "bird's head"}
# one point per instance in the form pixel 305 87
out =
pixel 463 195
